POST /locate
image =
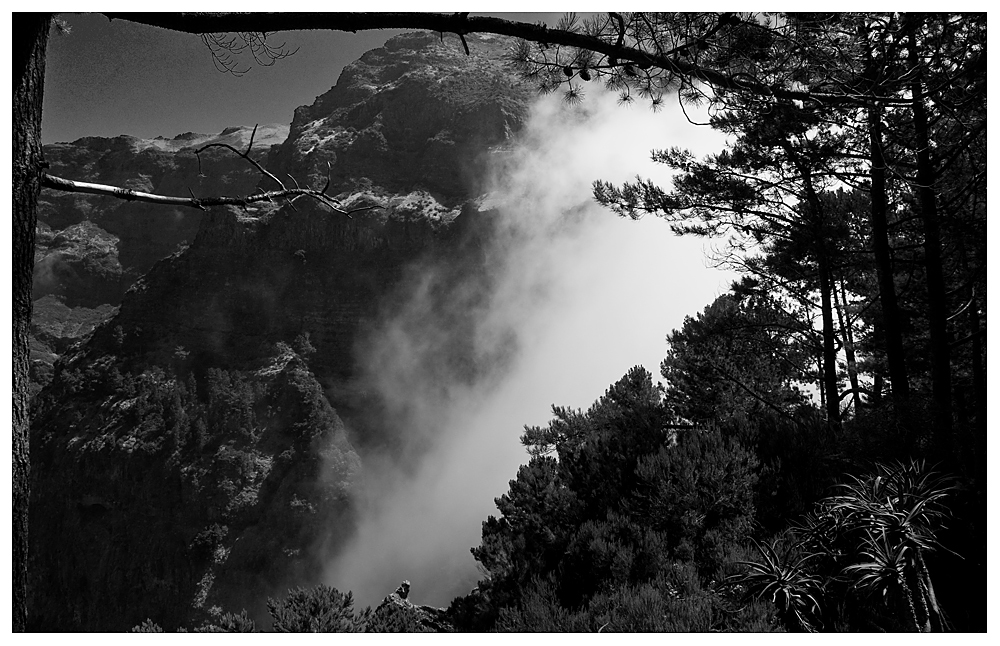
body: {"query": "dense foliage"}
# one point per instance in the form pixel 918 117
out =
pixel 630 517
pixel 321 609
pixel 217 469
pixel 620 521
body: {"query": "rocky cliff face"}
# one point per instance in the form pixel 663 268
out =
pixel 415 114
pixel 410 126
pixel 90 249
pixel 192 452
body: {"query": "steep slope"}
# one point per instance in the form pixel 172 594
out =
pixel 160 165
pixel 417 113
pixel 189 446
pixel 416 119
pixel 90 249
pixel 164 495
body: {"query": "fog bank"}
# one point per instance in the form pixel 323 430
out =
pixel 576 298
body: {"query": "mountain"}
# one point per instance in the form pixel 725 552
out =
pixel 89 249
pixel 202 419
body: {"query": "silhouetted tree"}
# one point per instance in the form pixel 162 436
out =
pixel 633 514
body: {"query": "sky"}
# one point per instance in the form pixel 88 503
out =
pixel 107 78
pixel 586 295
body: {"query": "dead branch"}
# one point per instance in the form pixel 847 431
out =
pixel 289 194
pixel 71 186
pixel 244 155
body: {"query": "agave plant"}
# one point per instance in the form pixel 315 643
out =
pixel 893 517
pixel 883 568
pixel 822 533
pixel 785 581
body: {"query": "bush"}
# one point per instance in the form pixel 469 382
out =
pixel 230 623
pixel 322 609
pixel 619 531
pixel 147 627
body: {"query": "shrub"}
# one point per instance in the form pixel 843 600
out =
pixel 322 609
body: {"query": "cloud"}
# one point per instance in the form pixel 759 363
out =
pixel 574 298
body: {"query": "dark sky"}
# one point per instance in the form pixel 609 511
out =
pixel 108 78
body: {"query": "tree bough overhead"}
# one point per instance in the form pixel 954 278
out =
pixel 853 198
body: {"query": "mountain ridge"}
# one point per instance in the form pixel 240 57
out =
pixel 200 436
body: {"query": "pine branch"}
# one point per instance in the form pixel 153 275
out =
pixel 462 23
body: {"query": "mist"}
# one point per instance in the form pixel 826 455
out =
pixel 576 297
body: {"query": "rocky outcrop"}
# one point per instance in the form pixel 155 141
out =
pixel 194 446
pixel 415 114
pixel 77 281
pixel 165 166
pixel 54 328
pixel 90 249
pixel 78 264
pixel 397 614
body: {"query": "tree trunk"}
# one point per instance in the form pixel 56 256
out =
pixel 937 314
pixel 848 337
pixel 816 217
pixel 891 321
pixel 821 381
pixel 816 222
pixel 829 339
pixel 30 36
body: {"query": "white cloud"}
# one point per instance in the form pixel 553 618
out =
pixel 585 294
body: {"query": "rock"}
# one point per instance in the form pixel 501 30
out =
pixel 410 126
pixel 165 166
pixel 55 327
pixel 417 113
pixel 79 264
pixel 397 614
pixel 77 283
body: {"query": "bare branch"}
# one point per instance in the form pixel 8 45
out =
pixel 244 155
pixel 196 199
pixel 329 168
pixel 252 135
pixel 70 186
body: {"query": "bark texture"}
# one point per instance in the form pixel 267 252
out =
pixel 30 36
